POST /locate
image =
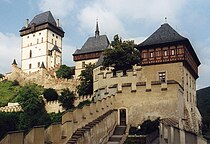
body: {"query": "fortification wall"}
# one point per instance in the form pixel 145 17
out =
pixel 71 122
pixel 41 77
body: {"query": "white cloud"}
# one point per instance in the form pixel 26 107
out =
pixel 9 50
pixel 59 8
pixel 115 15
pixel 108 22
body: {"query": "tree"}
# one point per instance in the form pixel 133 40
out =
pixel 67 98
pixel 50 94
pixel 86 80
pixel 33 106
pixel 121 56
pixel 1 75
pixel 64 72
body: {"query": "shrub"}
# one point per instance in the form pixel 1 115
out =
pixel 50 94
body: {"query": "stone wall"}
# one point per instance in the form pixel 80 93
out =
pixel 41 77
pixel 71 122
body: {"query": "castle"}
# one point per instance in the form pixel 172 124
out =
pixel 162 85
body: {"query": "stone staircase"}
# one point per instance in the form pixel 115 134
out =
pixel 117 135
pixel 81 131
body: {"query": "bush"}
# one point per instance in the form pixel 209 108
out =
pixel 50 94
pixel 15 83
pixel 1 75
pixel 64 72
pixel 81 104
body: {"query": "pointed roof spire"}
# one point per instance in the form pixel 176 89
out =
pixel 14 62
pixel 97 29
pixel 42 66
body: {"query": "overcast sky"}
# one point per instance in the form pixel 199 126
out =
pixel 131 19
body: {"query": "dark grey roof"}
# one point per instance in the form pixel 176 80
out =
pixel 93 44
pixel 56 49
pixel 100 60
pixel 42 66
pixel 43 18
pixel 14 62
pixel 165 34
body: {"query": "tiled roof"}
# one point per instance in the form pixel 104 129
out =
pixel 165 34
pixel 93 44
pixel 43 18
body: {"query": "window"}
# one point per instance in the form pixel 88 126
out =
pixel 52 41
pixel 187 96
pixel 37 41
pixel 39 33
pixel 55 42
pixel 29 66
pixel 151 54
pixel 83 64
pixel 53 35
pixel 30 54
pixel 42 39
pixel 56 36
pixel 27 36
pixel 30 44
pixel 172 52
pixel 187 78
pixel 165 53
pixel 38 64
pixel 33 35
pixel 162 76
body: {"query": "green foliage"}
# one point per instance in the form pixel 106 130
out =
pixel 86 80
pixel 122 55
pixel 50 94
pixel 203 103
pixel 146 127
pixel 8 92
pixel 8 122
pixel 64 72
pixel 83 103
pixel 67 98
pixel 1 75
pixel 33 106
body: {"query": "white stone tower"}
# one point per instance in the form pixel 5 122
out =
pixel 41 43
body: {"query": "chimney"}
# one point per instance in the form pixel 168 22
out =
pixel 57 22
pixel 27 20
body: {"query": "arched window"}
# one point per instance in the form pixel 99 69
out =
pixel 30 54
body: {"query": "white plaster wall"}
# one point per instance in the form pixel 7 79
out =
pixel 39 43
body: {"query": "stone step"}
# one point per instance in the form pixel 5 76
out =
pixel 119 130
pixel 112 142
pixel 115 138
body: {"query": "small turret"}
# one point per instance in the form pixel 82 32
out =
pixel 42 66
pixel 97 33
pixel 14 62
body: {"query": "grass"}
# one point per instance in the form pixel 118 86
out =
pixel 8 92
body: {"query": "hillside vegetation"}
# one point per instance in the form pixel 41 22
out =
pixel 8 92
pixel 203 103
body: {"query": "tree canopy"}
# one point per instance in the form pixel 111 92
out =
pixel 67 98
pixel 33 106
pixel 64 72
pixel 50 94
pixel 121 55
pixel 86 80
